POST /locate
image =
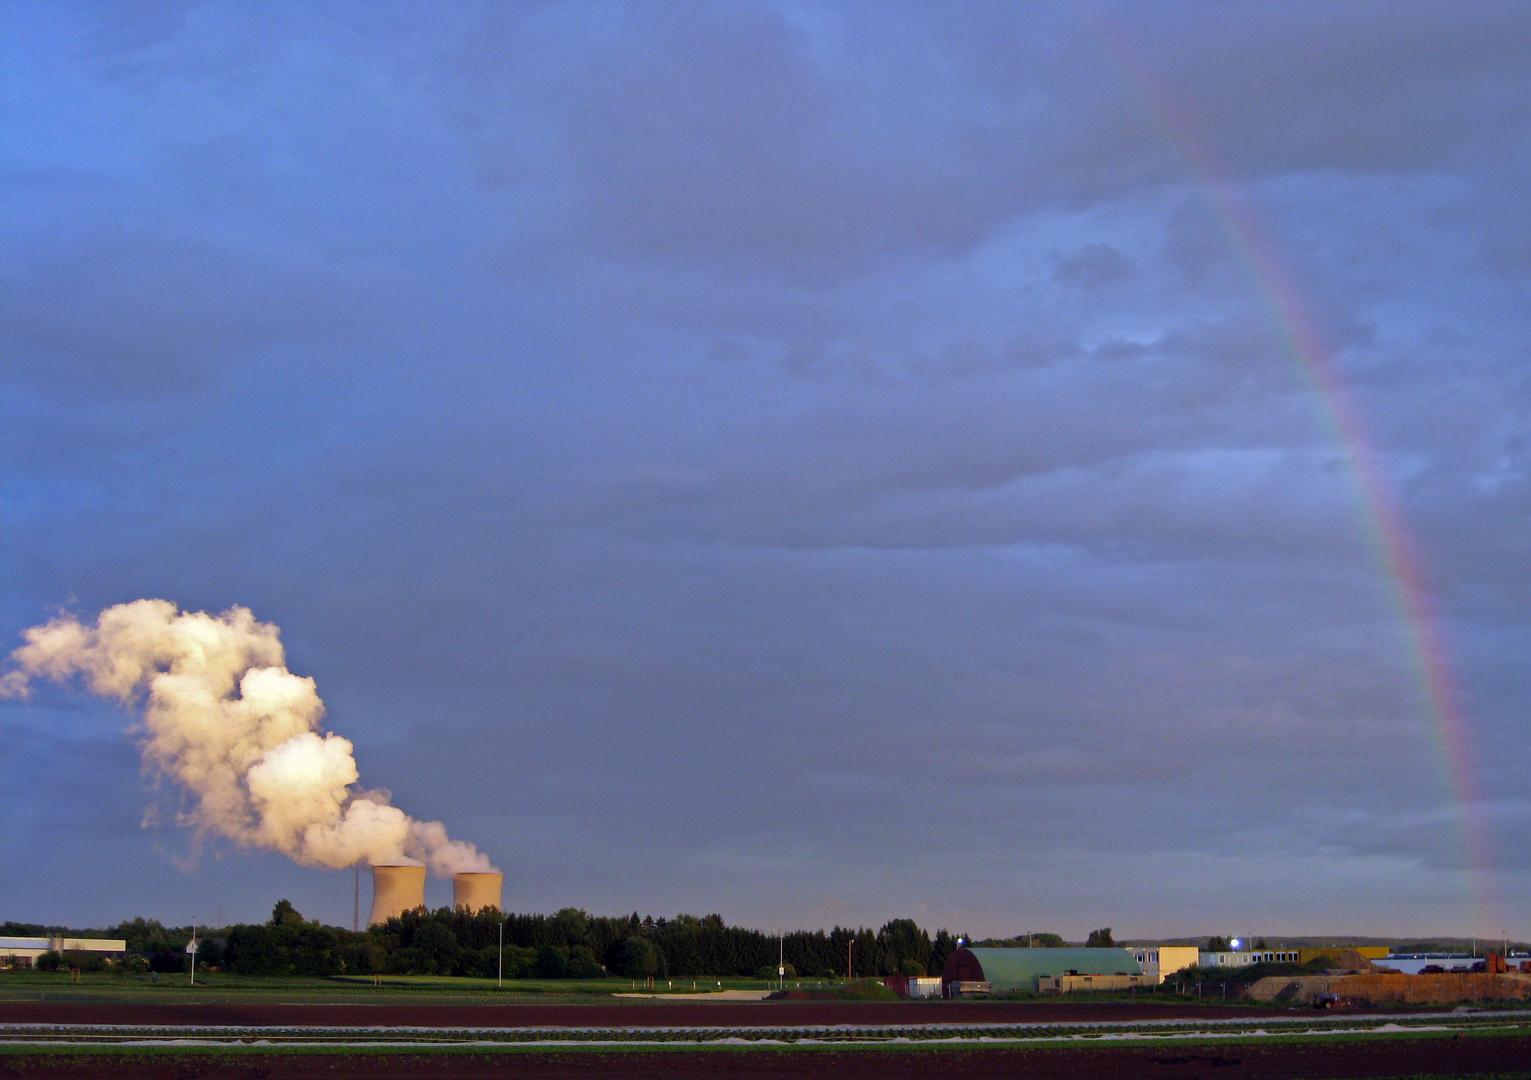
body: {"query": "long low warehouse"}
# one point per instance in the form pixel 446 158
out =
pixel 24 951
pixel 996 971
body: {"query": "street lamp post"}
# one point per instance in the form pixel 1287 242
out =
pixel 500 969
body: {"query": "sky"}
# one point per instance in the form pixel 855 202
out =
pixel 1019 467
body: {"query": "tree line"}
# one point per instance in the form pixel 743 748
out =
pixel 567 944
pixel 574 944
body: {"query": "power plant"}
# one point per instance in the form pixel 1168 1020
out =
pixel 397 889
pixel 476 890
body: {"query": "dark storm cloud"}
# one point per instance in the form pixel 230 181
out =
pixel 121 314
pixel 1092 266
pixel 687 156
pixel 665 430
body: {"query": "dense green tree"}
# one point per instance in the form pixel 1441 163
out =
pixel 252 950
pixel 311 949
pixel 209 953
pixel 552 962
pixel 1100 939
pixel 905 948
pixel 27 929
pixel 519 963
pixel 410 961
pixel 638 959
pixel 941 951
pixel 439 945
pixel 142 935
pixel 574 924
pixel 371 958
pixel 1217 944
pixel 161 948
pixel 583 964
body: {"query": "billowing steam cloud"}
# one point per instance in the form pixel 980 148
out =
pixel 225 718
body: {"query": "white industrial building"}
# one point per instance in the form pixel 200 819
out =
pixel 24 951
pixel 1243 958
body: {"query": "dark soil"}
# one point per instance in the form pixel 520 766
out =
pixel 1318 1060
pixel 666 1014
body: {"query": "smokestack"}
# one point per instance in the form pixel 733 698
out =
pixel 477 890
pixel 395 890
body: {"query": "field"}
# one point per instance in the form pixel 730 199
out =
pixel 299 1028
pixel 57 986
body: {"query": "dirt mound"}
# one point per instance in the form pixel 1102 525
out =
pixel 1382 988
pixel 1431 989
pixel 1350 960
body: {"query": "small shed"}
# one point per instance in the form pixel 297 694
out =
pixel 1019 969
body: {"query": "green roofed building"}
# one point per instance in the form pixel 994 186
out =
pixel 1019 969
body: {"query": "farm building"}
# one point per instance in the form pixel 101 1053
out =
pixel 913 986
pixel 1067 984
pixel 971 971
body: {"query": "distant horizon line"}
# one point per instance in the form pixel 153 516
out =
pixel 1322 940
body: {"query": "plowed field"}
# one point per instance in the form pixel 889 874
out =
pixel 1503 1056
pixel 722 1014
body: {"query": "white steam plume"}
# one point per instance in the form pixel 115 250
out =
pixel 224 717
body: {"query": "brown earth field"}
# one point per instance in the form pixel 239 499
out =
pixel 1503 1056
pixel 724 1014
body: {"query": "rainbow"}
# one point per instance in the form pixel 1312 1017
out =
pixel 1394 545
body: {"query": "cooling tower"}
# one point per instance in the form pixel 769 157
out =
pixel 476 890
pixel 395 890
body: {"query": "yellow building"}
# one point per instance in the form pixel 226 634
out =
pixel 1369 952
pixel 1160 961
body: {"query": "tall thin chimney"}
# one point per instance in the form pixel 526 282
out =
pixel 395 890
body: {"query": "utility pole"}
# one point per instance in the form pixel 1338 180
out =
pixel 500 975
pixel 849 945
pixel 356 901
